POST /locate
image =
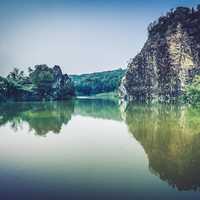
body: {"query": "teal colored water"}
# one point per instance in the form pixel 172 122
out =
pixel 94 149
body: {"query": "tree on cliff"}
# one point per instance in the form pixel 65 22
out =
pixel 42 78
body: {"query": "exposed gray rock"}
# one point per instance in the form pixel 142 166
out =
pixel 169 59
pixel 62 84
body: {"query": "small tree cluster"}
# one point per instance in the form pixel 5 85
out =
pixel 192 92
pixel 42 77
pixel 16 75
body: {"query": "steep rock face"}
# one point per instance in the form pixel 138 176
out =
pixel 169 59
pixel 62 85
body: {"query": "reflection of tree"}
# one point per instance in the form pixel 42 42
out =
pixel 98 108
pixel 45 117
pixel 42 117
pixel 170 137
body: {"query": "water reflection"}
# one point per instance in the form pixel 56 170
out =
pixel 98 108
pixel 45 117
pixel 170 136
pixel 42 117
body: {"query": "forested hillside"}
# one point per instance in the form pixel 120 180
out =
pixel 99 82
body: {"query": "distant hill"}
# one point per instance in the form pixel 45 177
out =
pixel 98 82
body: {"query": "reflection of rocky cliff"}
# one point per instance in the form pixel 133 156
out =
pixel 171 138
pixel 98 108
pixel 41 117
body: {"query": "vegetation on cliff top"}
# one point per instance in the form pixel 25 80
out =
pixel 188 17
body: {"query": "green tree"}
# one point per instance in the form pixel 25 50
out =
pixel 16 75
pixel 192 92
pixel 42 77
pixel 99 82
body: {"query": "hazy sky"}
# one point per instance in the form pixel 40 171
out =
pixel 79 35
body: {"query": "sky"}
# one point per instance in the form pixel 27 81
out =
pixel 81 36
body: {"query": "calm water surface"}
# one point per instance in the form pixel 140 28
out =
pixel 94 149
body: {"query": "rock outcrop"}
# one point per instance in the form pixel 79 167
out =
pixel 43 84
pixel 169 59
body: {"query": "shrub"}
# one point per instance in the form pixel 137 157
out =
pixel 192 92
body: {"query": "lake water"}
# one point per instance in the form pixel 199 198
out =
pixel 95 149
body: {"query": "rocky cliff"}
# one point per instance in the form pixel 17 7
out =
pixel 43 83
pixel 169 59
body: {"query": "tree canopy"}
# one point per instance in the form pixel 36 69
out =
pixel 99 82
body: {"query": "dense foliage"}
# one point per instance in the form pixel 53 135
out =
pixel 192 92
pixel 42 78
pixel 16 76
pixel 42 83
pixel 99 82
pixel 187 17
